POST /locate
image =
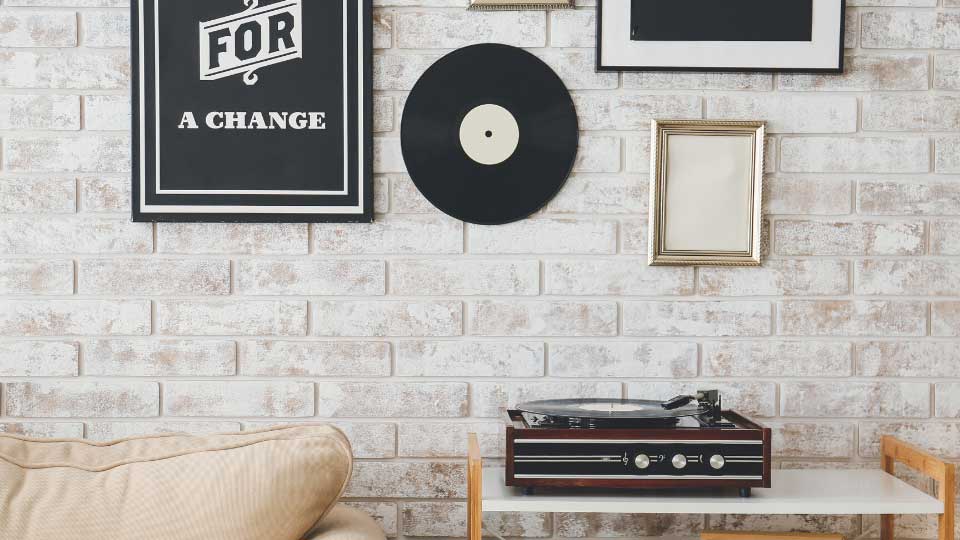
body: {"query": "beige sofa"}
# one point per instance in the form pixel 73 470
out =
pixel 273 484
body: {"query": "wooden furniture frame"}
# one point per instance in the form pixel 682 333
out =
pixel 893 451
pixel 854 491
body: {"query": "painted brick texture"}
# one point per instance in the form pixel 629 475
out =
pixel 415 330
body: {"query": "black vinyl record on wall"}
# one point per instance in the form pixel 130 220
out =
pixel 489 134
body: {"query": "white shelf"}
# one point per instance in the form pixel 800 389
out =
pixel 793 492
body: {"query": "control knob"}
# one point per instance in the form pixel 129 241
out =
pixel 717 461
pixel 642 461
pixel 679 461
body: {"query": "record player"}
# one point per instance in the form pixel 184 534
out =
pixel 685 442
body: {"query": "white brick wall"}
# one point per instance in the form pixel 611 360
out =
pixel 411 332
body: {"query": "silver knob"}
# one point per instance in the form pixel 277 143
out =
pixel 717 461
pixel 642 461
pixel 679 461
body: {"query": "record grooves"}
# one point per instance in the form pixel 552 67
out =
pixel 489 134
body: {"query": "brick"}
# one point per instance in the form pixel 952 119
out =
pixel 573 28
pixel 392 235
pixel 166 358
pixel 546 236
pixel 946 319
pixel 106 113
pixel 399 71
pixel 806 195
pixel 65 70
pixel 228 317
pixel 112 431
pixel 913 278
pixel 847 525
pixel 451 29
pixel 469 359
pixel 47 112
pixel 852 318
pixel 82 398
pixel 908 359
pixel 855 399
pixel 382 30
pixel 449 519
pixel 601 195
pixel 35 277
pixel 104 194
pixel 910 29
pixel 789 114
pixel 106 28
pixel 384 514
pixel 445 439
pixel 32 28
pixel 383 113
pixel 778 278
pixel 232 238
pixel 464 277
pixel 39 359
pixel 945 238
pixel 388 155
pixel 557 318
pixel 29 195
pixel 68 3
pixel 752 398
pixel 488 398
pixel 577 70
pixel 615 277
pixel 947 404
pixel 151 276
pixel 634 236
pixel 627 525
pixel 393 318
pixel 53 235
pixel 384 400
pixel 849 237
pixel 865 74
pixel 908 3
pixel 74 317
pixel 939 438
pixel 908 198
pixel 809 440
pixel 88 153
pixel 665 80
pixel 863 154
pixel 311 278
pixel 657 359
pixel 368 440
pixel 316 359
pixel 408 480
pixel 911 113
pixel 597 154
pixel 776 359
pixel 638 154
pixel 696 318
pixel 946 72
pixel 947 156
pixel 43 430
pixel 238 398
pixel 632 111
pixel 405 198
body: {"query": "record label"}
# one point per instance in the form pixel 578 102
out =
pixel 489 134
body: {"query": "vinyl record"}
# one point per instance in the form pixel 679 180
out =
pixel 489 134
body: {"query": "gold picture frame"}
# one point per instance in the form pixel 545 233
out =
pixel 706 192
pixel 515 5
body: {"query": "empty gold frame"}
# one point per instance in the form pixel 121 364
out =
pixel 706 189
pixel 507 5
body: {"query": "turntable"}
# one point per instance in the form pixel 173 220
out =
pixel 685 442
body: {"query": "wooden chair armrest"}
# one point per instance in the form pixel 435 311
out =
pixel 750 535
pixel 474 487
pixel 892 451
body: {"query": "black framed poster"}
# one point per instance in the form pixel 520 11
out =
pixel 707 35
pixel 252 110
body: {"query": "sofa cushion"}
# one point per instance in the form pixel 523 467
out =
pixel 268 484
pixel 345 523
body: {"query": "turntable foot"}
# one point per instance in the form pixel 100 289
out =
pixel 529 490
pixel 744 492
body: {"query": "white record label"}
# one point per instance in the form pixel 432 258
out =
pixel 489 134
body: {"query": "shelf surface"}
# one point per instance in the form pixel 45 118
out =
pixel 794 492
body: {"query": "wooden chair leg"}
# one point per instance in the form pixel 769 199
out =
pixel 893 451
pixel 474 488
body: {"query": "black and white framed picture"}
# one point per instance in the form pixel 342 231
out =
pixel 707 35
pixel 252 110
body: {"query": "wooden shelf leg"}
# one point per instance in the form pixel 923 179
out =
pixel 474 488
pixel 948 495
pixel 887 524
